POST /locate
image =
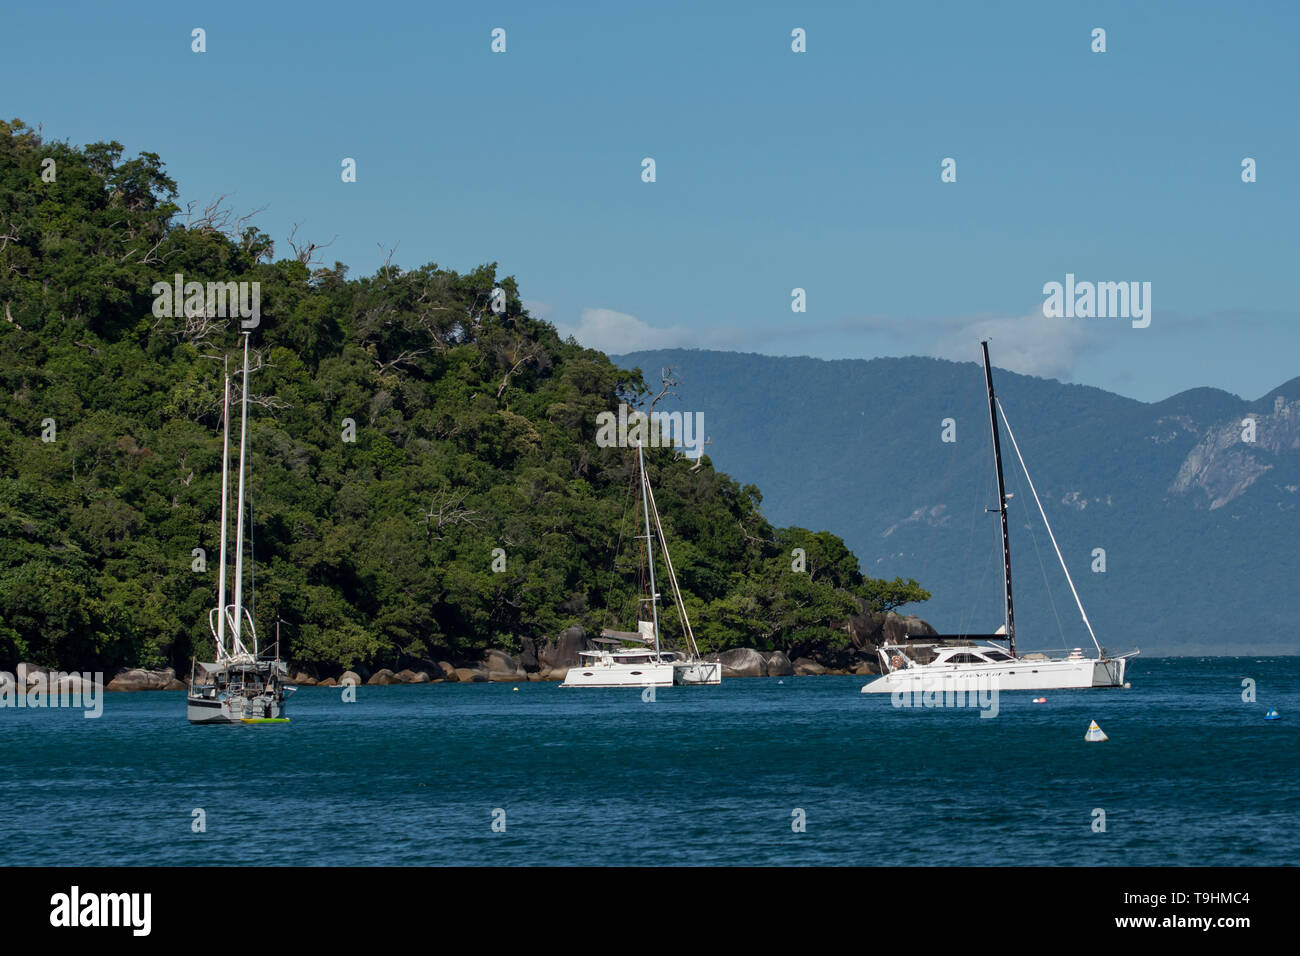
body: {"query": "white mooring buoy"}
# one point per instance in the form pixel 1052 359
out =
pixel 1094 733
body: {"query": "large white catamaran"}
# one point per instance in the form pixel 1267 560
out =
pixel 974 661
pixel 616 663
pixel 239 686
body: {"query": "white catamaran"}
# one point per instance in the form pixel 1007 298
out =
pixel 239 687
pixel 616 664
pixel 963 662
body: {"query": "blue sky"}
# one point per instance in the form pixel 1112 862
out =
pixel 775 170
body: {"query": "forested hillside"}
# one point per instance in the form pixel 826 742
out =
pixel 471 431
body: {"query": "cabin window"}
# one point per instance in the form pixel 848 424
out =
pixel 996 656
pixel 965 659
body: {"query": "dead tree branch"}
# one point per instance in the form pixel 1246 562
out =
pixel 530 356
pixel 305 251
pixel 699 462
pixel 448 510
pixel 669 383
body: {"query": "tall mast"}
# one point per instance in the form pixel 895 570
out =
pixel 1002 501
pixel 225 496
pixel 672 576
pixel 649 541
pixel 239 534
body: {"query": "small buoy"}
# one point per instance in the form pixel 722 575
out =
pixel 1128 686
pixel 1272 714
pixel 1040 700
pixel 780 682
pixel 515 689
pixel 1094 733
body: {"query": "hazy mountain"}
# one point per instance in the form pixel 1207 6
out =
pixel 1198 525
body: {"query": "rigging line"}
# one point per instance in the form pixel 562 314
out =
pixel 1042 567
pixel 1073 590
pixel 672 576
pixel 642 548
pixel 252 570
pixel 252 563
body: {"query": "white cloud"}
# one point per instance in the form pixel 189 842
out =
pixel 617 333
pixel 1030 345
pixel 538 310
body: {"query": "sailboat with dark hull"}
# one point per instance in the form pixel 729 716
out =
pixel 240 686
pixel 971 661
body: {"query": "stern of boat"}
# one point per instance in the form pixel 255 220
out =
pixel 697 672
pixel 208 710
pixel 1109 671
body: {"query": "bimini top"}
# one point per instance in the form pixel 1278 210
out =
pixel 955 653
pixel 630 655
pixel 260 667
pixel 608 636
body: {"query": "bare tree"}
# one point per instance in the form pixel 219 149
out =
pixel 305 252
pixel 407 357
pixel 669 383
pixel 448 510
pixel 388 257
pixel 218 217
pixel 194 329
pixel 8 233
pixel 530 355
pixel 256 364
pixel 148 254
pixel 699 462
pixel 745 533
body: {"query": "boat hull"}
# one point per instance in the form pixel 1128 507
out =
pixel 620 675
pixel 1020 675
pixel 697 672
pixel 231 710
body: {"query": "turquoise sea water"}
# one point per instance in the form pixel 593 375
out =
pixel 1191 775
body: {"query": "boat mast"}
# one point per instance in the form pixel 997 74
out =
pixel 1002 502
pixel 672 577
pixel 225 496
pixel 239 534
pixel 649 541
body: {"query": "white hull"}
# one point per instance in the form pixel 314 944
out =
pixel 697 672
pixel 1014 675
pixel 231 710
pixel 618 674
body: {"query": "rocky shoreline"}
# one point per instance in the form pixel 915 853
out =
pixel 539 661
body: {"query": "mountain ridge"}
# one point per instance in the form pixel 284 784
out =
pixel 1193 519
